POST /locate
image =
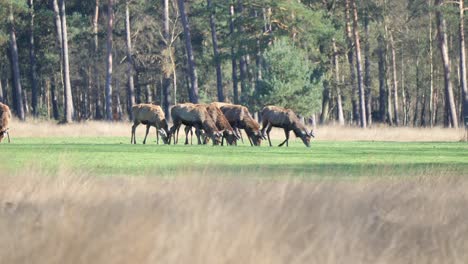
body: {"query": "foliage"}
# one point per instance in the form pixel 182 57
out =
pixel 290 80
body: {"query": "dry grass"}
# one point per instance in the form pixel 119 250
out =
pixel 71 218
pixel 35 128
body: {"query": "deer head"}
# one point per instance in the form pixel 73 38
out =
pixel 165 137
pixel 305 136
pixel 217 135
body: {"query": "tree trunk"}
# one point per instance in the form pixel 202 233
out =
pixel 148 93
pixel 235 90
pixel 352 73
pixel 193 91
pixel 2 100
pixel 68 98
pixel 367 75
pixel 47 96
pixel 431 72
pixel 110 27
pixel 463 84
pixel 382 78
pixel 18 91
pixel 53 94
pixel 404 95
pixel 394 81
pixel 242 59
pixel 131 86
pixel 32 61
pixel 97 83
pixel 389 92
pixel 214 38
pixel 166 82
pixel 325 102
pixel 137 87
pixel 339 102
pixel 58 29
pixel 357 45
pixel 117 115
pixel 418 99
pixel 443 46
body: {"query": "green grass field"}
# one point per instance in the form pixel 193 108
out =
pixel 115 156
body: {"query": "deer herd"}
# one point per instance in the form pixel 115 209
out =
pixel 217 122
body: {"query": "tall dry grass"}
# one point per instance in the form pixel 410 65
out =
pixel 38 128
pixel 71 218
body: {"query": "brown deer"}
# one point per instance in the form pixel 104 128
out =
pixel 150 115
pixel 5 117
pixel 240 118
pixel 193 115
pixel 275 116
pixel 222 124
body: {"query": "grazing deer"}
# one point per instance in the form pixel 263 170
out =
pixel 275 116
pixel 240 118
pixel 150 115
pixel 222 124
pixel 193 115
pixel 5 117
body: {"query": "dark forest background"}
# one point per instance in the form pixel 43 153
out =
pixel 400 63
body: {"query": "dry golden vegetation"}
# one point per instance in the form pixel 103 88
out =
pixel 34 128
pixel 68 217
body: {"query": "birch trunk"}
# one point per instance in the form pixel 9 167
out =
pixel 443 46
pixel 108 92
pixel 357 45
pixel 130 82
pixel 67 94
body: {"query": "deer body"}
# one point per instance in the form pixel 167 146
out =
pixel 275 116
pixel 150 115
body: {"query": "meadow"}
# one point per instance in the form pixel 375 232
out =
pixel 104 149
pixel 82 193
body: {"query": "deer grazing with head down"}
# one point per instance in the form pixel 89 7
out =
pixel 194 115
pixel 275 116
pixel 150 115
pixel 240 118
pixel 5 117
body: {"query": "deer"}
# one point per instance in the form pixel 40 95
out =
pixel 222 124
pixel 150 115
pixel 239 117
pixel 275 116
pixel 194 115
pixel 5 117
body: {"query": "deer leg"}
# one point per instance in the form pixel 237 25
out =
pixel 240 134
pixel 198 133
pixel 177 136
pixel 187 130
pixel 8 135
pixel 147 131
pixel 173 132
pixel 286 132
pixel 133 138
pixel 157 136
pixel 268 134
